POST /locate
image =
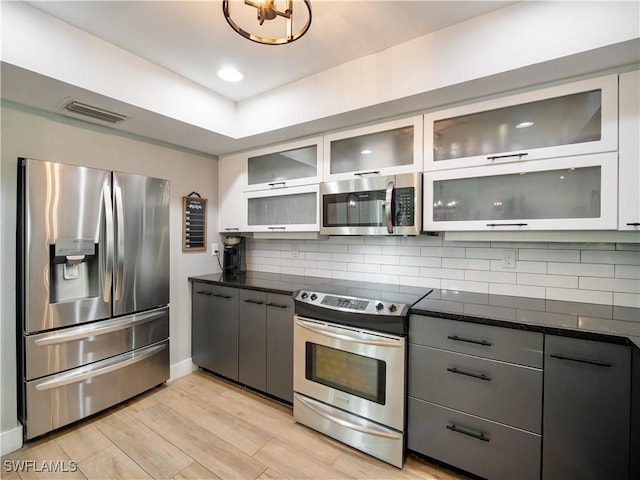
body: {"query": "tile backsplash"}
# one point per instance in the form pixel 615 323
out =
pixel 603 273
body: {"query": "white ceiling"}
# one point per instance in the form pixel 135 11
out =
pixel 192 38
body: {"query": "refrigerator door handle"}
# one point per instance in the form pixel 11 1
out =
pixel 119 257
pixel 108 241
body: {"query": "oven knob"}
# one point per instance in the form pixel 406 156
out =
pixel 379 306
pixel 392 308
pixel 304 295
pixel 313 296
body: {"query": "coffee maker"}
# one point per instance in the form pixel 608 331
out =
pixel 233 258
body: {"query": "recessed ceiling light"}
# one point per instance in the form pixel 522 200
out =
pixel 366 152
pixel 230 74
pixel 524 124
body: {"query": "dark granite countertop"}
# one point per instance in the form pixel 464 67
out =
pixel 592 321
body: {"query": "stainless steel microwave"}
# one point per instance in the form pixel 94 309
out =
pixel 381 205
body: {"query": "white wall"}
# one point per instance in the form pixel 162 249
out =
pixel 30 133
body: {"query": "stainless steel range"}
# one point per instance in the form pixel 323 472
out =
pixel 349 370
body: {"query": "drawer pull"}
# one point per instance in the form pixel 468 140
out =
pixel 481 376
pixel 221 296
pixel 634 224
pixel 507 224
pixel 597 363
pixel 519 155
pixel 479 436
pixel 468 340
pixel 277 305
pixel 255 302
pixel 204 292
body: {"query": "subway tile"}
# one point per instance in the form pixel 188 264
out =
pixel 442 252
pixel 535 254
pixel 449 273
pixel 552 319
pixel 616 327
pixel 626 300
pixel 610 284
pixel 356 276
pixel 332 265
pixel 332 248
pixel 387 278
pixel 425 282
pixel 401 250
pixel 517 302
pixel 563 281
pixel 465 297
pixel 466 263
pixel 366 249
pixel 580 269
pixel 629 246
pixel 627 271
pixel 381 240
pixel 574 295
pixel 581 246
pixel 267 268
pixel 308 247
pixel 348 257
pixel 347 240
pixel 421 261
pixel 579 308
pixel 521 266
pixel 302 263
pixel 452 243
pixel 518 245
pixel 478 287
pixel 491 277
pixel 401 270
pixel 517 290
pixel 382 259
pixel 363 267
pixel 324 256
pixel 489 311
pixel 616 257
pixel 317 272
pixel 628 314
pixel 292 270
pixel 265 253
pixel 488 253
pixel 423 240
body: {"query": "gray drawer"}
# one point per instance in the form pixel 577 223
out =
pixel 498 343
pixel 499 391
pixel 482 447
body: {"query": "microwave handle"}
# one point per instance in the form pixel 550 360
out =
pixel 388 207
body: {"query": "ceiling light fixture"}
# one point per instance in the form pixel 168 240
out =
pixel 230 74
pixel 524 125
pixel 268 10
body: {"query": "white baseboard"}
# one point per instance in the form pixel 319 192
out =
pixel 182 368
pixel 11 440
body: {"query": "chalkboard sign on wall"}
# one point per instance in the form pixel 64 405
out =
pixel 194 223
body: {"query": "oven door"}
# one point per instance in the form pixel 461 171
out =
pixel 362 372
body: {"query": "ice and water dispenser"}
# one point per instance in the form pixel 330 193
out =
pixel 74 270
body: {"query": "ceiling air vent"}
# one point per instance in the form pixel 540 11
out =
pixel 98 113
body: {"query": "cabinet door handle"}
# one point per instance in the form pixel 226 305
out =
pixel 633 224
pixel 274 184
pixel 507 224
pixel 255 302
pixel 519 155
pixel 373 172
pixel 468 340
pixel 597 363
pixel 232 229
pixel 221 296
pixel 204 292
pixel 277 305
pixel 481 376
pixel 277 228
pixel 479 436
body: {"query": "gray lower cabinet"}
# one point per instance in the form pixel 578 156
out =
pixel 214 328
pixel 280 346
pixel 587 409
pixel 252 341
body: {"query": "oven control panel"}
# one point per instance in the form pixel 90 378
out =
pixel 351 304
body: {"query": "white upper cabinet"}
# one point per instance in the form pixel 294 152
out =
pixel 572 193
pixel 572 119
pixel 288 165
pixel 231 179
pixel 383 149
pixel 294 209
pixel 629 195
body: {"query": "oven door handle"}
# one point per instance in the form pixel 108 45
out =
pixel 346 423
pixel 349 337
pixel 388 206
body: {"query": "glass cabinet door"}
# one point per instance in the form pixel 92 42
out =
pixel 562 195
pixel 293 164
pixel 383 149
pixel 559 121
pixel 290 210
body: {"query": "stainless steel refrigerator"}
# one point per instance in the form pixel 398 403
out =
pixel 93 290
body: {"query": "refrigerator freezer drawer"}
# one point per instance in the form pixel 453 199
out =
pixel 58 400
pixel 53 352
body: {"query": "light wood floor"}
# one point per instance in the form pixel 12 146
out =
pixel 200 427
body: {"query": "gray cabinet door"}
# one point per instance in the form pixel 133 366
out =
pixel 252 339
pixel 225 332
pixel 587 395
pixel 280 346
pixel 202 325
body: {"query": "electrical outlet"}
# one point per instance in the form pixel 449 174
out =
pixel 509 258
pixel 295 253
pixel 215 249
